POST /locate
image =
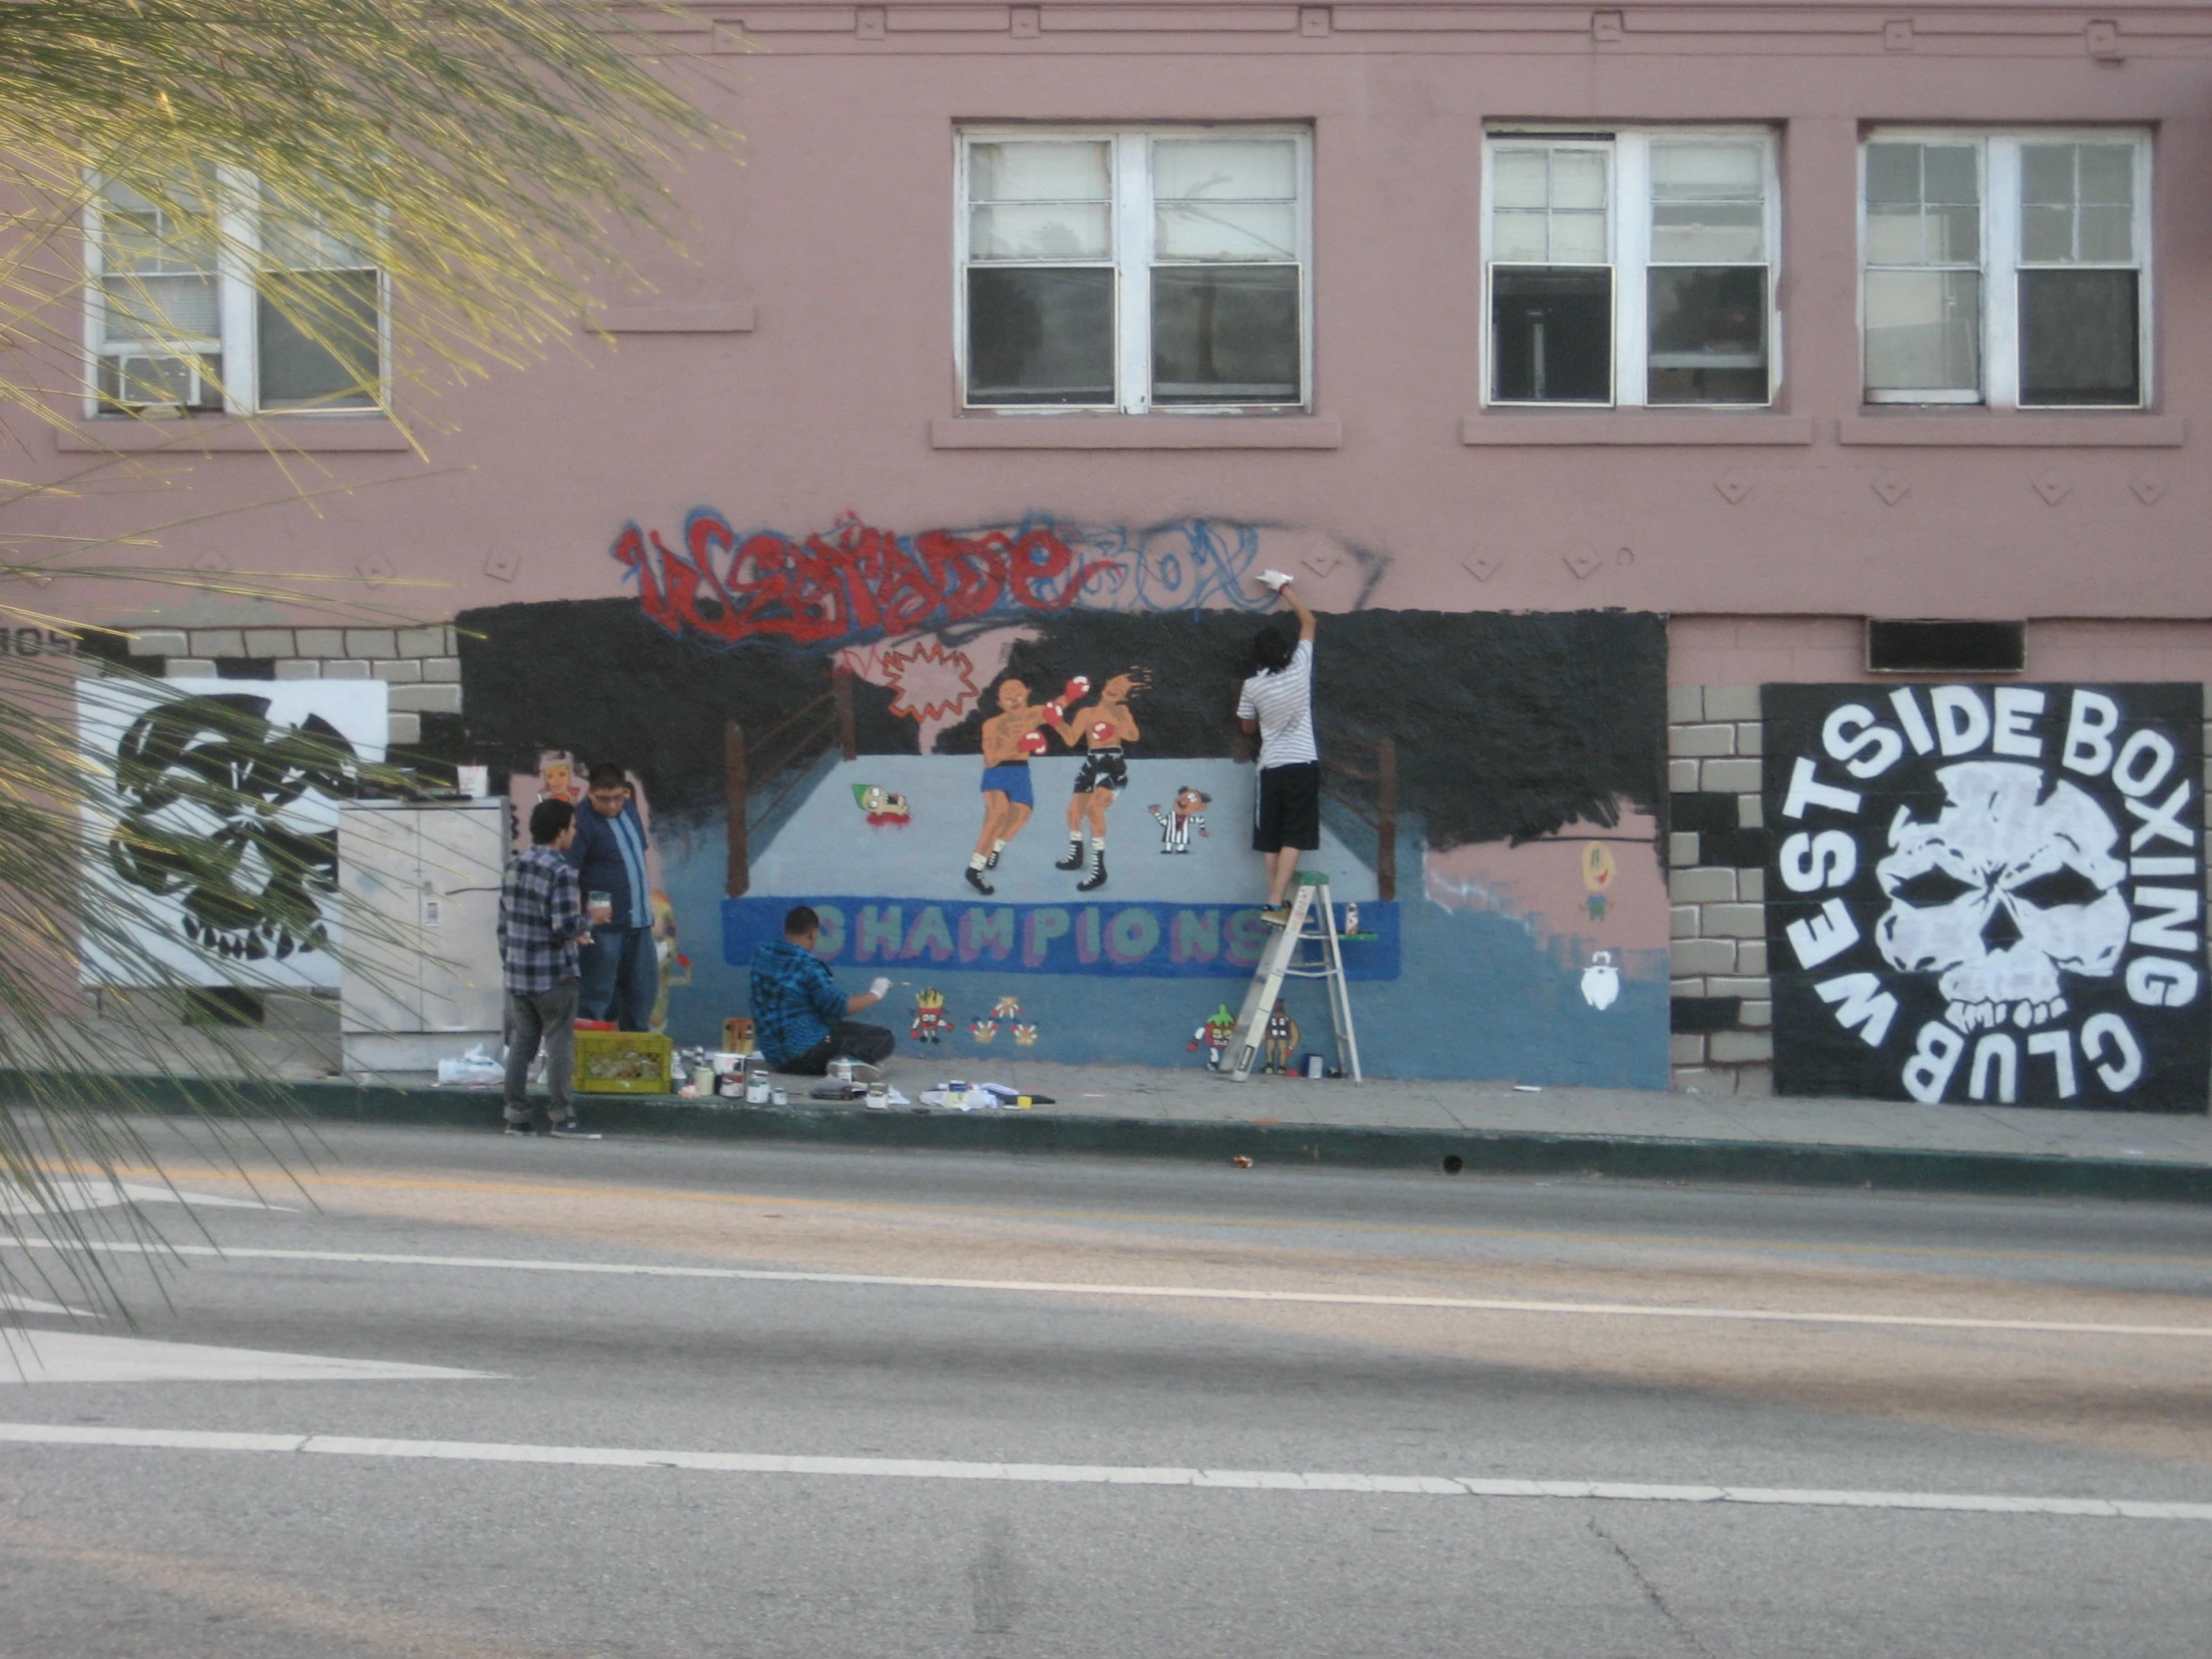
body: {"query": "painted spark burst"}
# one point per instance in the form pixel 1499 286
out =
pixel 930 682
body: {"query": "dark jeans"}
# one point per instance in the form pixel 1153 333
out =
pixel 622 977
pixel 852 1040
pixel 550 1015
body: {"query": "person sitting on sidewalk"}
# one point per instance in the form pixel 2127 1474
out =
pixel 541 923
pixel 1278 704
pixel 798 1014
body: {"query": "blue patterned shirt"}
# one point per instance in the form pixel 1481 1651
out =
pixel 540 918
pixel 794 1001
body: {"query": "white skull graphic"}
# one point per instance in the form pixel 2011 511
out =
pixel 2006 891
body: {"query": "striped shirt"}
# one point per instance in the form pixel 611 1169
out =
pixel 1281 701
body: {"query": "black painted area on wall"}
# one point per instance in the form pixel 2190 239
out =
pixel 1704 1014
pixel 1507 726
pixel 594 676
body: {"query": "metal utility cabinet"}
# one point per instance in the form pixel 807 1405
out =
pixel 422 981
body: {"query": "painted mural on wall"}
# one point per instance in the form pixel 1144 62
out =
pixel 1988 893
pixel 220 817
pixel 1003 766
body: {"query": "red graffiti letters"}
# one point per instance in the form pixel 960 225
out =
pixel 855 582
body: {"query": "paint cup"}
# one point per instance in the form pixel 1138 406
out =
pixel 878 1097
pixel 601 906
pixel 473 781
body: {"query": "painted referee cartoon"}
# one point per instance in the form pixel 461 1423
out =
pixel 1278 704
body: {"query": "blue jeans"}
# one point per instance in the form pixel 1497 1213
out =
pixel 622 977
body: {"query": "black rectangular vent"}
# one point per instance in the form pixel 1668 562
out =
pixel 1946 647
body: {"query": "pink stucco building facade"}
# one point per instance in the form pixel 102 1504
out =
pixel 1763 319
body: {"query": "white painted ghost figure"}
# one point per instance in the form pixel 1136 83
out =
pixel 2006 890
pixel 1601 982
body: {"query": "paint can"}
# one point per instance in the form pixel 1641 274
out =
pixel 703 1079
pixel 729 1085
pixel 1315 1066
pixel 1351 919
pixel 878 1097
pixel 756 1091
pixel 777 1097
pixel 841 1071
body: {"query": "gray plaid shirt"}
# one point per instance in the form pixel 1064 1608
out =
pixel 541 912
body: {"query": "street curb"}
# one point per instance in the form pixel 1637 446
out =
pixel 1621 1157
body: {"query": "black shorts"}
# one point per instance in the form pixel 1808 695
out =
pixel 1103 769
pixel 1288 811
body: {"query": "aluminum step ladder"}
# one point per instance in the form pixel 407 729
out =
pixel 1313 918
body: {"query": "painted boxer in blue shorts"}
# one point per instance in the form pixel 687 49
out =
pixel 1010 738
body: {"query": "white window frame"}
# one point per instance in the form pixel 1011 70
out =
pixel 1997 161
pixel 1628 255
pixel 1131 256
pixel 238 311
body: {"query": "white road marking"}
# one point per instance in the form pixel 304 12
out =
pixel 1180 1293
pixel 73 1356
pixel 1088 1475
pixel 75 1194
pixel 13 1303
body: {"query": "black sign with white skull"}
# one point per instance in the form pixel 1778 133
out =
pixel 1988 893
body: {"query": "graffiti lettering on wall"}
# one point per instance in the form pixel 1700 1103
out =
pixel 1982 893
pixel 224 813
pixel 855 581
pixel 1136 941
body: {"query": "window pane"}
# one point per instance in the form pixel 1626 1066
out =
pixel 2046 234
pixel 1924 330
pixel 1577 178
pixel 1056 170
pixel 1578 238
pixel 2107 235
pixel 2047 173
pixel 319 339
pixel 2078 337
pixel 1225 335
pixel 1218 170
pixel 1063 231
pixel 1520 179
pixel 2108 173
pixel 1551 336
pixel 1949 173
pixel 1040 336
pixel 1954 235
pixel 1708 335
pixel 1894 173
pixel 1708 173
pixel 1519 237
pixel 1227 230
pixel 1892 234
pixel 159 308
pixel 1708 230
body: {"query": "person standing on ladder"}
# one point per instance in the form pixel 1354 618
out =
pixel 1277 705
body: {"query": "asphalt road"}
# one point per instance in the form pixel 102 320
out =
pixel 1071 1409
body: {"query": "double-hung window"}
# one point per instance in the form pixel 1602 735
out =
pixel 217 300
pixel 2008 270
pixel 1134 269
pixel 1631 267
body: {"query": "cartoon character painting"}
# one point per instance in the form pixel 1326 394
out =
pixel 1213 1034
pixel 1176 826
pixel 1103 729
pixel 882 806
pixel 1279 1039
pixel 983 1030
pixel 1007 1007
pixel 1011 739
pixel 931 1022
pixel 1026 1037
pixel 1601 982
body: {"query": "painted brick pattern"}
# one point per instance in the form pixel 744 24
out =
pixel 1723 1041
pixel 422 665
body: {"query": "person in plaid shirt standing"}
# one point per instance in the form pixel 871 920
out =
pixel 541 923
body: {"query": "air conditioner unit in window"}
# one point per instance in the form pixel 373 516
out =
pixel 155 385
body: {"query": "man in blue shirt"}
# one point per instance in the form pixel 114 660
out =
pixel 621 970
pixel 798 1014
